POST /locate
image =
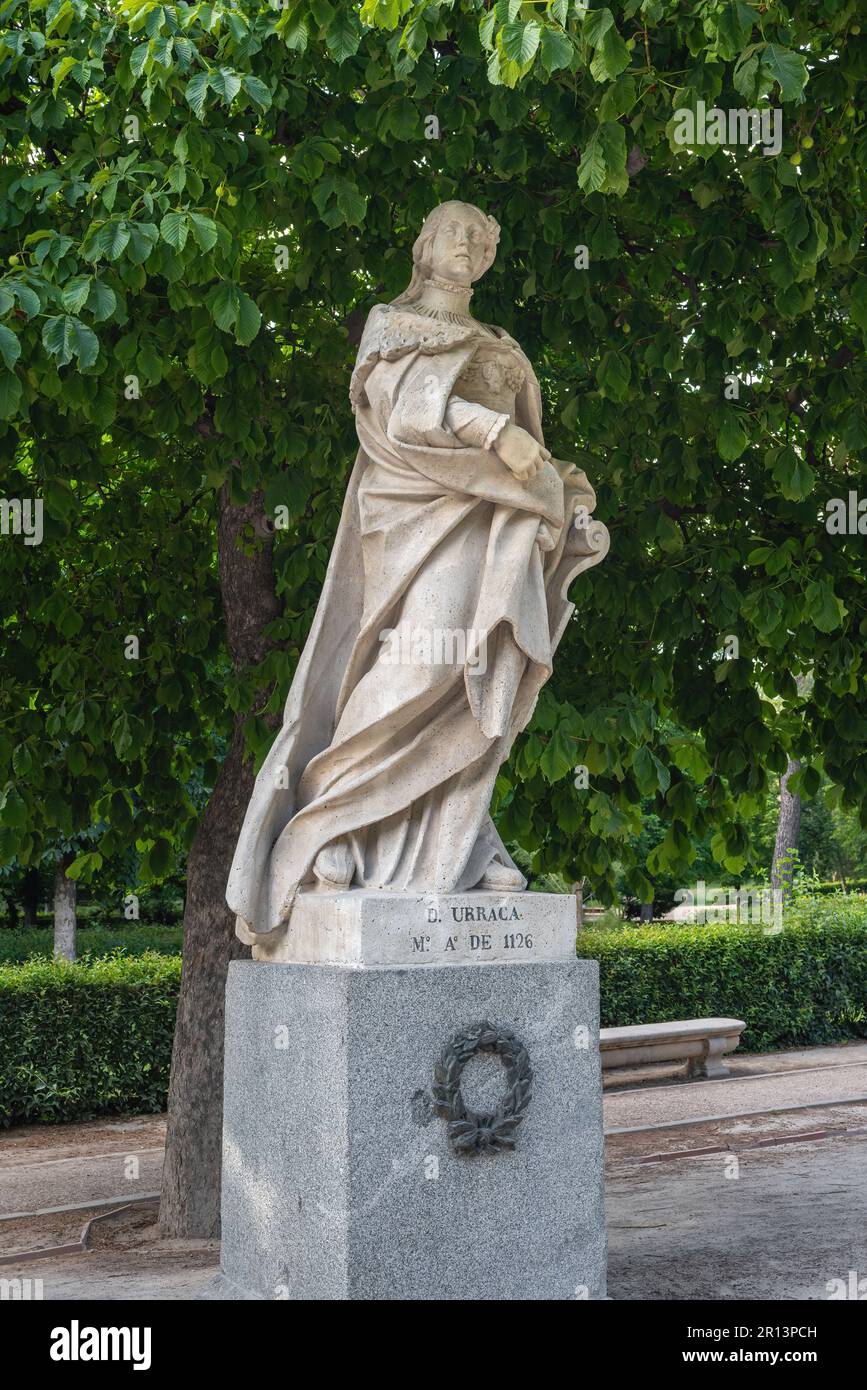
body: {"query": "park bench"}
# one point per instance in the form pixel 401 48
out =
pixel 700 1042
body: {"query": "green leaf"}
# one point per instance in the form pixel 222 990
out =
pixel 22 760
pixel 611 57
pixel 858 302
pixel 788 69
pixel 60 70
pixel 745 78
pixel 669 534
pixel 112 240
pixel 26 298
pixel 487 26
pixel 76 758
pixel 121 736
pixel 603 163
pixel 10 347
pixel 101 301
pixel 597 23
pixel 10 395
pixel 794 475
pixel 555 50
pixel 204 231
pixel 731 438
pixel 13 809
pixel 138 58
pixel 403 119
pixel 249 319
pixel 84 866
pixel 343 36
pixel 592 168
pixel 75 292
pixel 824 609
pixel 613 375
pixel 689 757
pixel 223 304
pixel 257 91
pixel 159 857
pixel 174 229
pixel 226 84
pixel 66 337
pixel 520 42
pixel 295 35
pixel 351 202
pixel 644 769
pixel 197 92
pixel 558 756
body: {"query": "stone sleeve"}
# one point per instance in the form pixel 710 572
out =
pixel 474 425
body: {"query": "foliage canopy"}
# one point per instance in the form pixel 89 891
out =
pixel 201 202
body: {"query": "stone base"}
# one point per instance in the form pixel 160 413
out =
pixel 340 1180
pixel 364 928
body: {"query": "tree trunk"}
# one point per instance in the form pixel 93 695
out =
pixel 578 890
pixel 30 896
pixel 190 1200
pixel 788 830
pixel 65 893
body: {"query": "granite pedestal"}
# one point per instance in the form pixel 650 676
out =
pixel 341 1175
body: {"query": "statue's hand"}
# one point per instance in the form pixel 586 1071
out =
pixel 520 452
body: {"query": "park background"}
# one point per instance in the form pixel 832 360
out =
pixel 200 205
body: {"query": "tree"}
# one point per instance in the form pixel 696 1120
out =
pixel 200 203
pixel 788 833
pixel 64 909
pixel 190 1189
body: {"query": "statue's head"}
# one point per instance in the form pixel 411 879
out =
pixel 457 242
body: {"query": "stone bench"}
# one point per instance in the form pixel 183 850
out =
pixel 700 1042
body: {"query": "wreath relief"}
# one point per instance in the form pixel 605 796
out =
pixel 468 1131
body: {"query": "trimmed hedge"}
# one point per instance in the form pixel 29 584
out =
pixel 95 1038
pixel 853 885
pixel 25 943
pixel 92 1038
pixel 803 987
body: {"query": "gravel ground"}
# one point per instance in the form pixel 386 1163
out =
pixel 71 1165
pixel 794 1218
pixel 766 1206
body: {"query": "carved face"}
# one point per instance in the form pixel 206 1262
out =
pixel 458 250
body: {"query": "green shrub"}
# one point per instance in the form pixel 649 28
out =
pixel 853 885
pixel 804 986
pixel 24 943
pixel 93 1038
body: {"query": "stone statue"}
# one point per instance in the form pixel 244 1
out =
pixel 442 608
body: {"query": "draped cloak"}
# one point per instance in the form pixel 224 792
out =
pixel 401 763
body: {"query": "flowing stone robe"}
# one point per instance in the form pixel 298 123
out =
pixel 436 535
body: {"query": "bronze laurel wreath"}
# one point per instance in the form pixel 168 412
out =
pixel 468 1131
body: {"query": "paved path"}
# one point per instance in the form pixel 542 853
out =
pixel 770 1205
pixel 780 1224
pixel 69 1165
pixel 839 1081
